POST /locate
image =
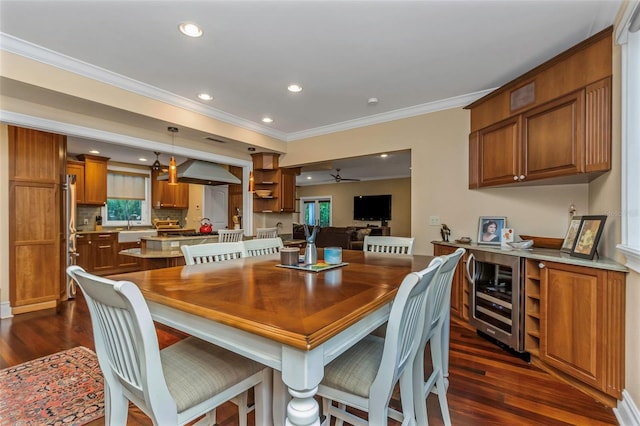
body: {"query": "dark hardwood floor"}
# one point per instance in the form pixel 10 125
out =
pixel 488 386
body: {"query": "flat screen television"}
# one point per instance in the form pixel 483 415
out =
pixel 372 207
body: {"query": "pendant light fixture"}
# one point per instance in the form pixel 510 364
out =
pixel 173 168
pixel 252 183
pixel 156 166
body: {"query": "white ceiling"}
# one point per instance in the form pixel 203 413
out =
pixel 414 56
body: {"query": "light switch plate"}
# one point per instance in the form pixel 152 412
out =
pixel 434 220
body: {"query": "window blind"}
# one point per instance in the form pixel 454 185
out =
pixel 125 186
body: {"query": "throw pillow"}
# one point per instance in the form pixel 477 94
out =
pixel 362 233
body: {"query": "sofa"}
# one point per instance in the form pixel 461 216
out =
pixel 347 237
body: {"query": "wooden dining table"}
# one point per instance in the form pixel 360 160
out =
pixel 293 321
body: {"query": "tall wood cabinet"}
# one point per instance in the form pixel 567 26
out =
pixel 553 122
pixel 36 239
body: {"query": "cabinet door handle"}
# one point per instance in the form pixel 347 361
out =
pixel 522 177
pixel 515 178
pixel 104 246
pixel 541 265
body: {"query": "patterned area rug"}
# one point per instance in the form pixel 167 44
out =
pixel 65 388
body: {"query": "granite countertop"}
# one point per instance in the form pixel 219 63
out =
pixel 550 255
pixel 151 254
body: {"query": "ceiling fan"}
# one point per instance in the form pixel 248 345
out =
pixel 339 178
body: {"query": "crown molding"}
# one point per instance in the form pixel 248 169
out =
pixel 49 57
pixel 454 102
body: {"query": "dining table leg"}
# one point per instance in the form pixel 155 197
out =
pixel 302 372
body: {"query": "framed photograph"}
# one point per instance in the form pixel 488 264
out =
pixel 589 233
pixel 572 232
pixel 490 229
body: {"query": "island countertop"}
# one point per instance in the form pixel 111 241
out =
pixel 151 254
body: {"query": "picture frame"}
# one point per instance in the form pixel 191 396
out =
pixel 490 229
pixel 586 242
pixel 570 236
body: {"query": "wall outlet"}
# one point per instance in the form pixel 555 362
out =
pixel 85 222
pixel 434 220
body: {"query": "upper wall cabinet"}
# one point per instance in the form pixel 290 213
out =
pixel 551 125
pixel 165 196
pixel 91 179
pixel 281 182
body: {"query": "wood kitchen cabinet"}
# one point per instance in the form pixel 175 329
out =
pixel 95 180
pixel 288 189
pixel 128 263
pixel 236 196
pixel 280 181
pixel 553 122
pixel 77 168
pixel 165 196
pixel 459 285
pixel 574 325
pixel 97 252
pixel 36 248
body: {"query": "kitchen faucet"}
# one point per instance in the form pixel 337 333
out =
pixel 129 221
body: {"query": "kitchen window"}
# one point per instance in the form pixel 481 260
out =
pixel 629 38
pixel 128 194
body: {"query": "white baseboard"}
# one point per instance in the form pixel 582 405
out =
pixel 627 412
pixel 5 310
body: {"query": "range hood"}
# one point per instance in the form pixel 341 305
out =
pixel 202 173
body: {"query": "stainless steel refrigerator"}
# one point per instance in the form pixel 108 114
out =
pixel 70 223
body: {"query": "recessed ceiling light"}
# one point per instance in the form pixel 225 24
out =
pixel 309 177
pixel 189 29
pixel 267 120
pixel 294 88
pixel 142 159
pixel 384 155
pixel 372 101
pixel 251 149
pixel 205 97
pixel 94 151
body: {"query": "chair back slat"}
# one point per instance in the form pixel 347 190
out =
pixel 230 235
pixel 125 338
pixel 439 301
pixel 266 232
pixel 118 333
pixel 261 247
pixel 388 245
pixel 212 252
pixel 405 325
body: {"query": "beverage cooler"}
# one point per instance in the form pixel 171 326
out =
pixel 496 305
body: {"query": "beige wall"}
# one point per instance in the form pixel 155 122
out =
pixel 439 153
pixel 342 201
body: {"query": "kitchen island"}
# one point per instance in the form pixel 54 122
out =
pixel 164 251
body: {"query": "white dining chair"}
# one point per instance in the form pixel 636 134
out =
pixel 389 245
pixel 173 386
pixel 365 375
pixel 267 232
pixel 211 252
pixel 436 332
pixel 230 235
pixel 261 247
